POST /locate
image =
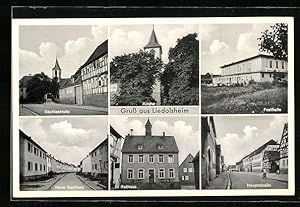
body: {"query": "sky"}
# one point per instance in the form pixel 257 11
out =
pixel 67 139
pixel 239 136
pixel 127 39
pixel 40 44
pixel 184 129
pixel 226 43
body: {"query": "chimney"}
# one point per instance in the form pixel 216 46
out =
pixel 131 130
pixel 164 134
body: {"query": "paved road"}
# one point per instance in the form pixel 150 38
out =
pixel 69 182
pixel 248 181
pixel 52 108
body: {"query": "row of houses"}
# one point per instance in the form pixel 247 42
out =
pixel 212 160
pixel 87 86
pixel 95 164
pixel 259 68
pixel 36 162
pixel 271 156
pixel 150 162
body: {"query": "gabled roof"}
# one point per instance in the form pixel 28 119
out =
pixel 98 52
pixel 105 141
pixel 150 144
pixel 153 41
pixel 196 158
pixel 115 133
pixel 69 82
pixel 261 148
pixel 191 157
pixel 25 136
pixel 62 82
pixel 24 80
pixel 56 66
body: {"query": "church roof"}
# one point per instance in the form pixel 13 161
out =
pixel 56 66
pixel 150 144
pixel 148 123
pixel 152 41
pixel 98 52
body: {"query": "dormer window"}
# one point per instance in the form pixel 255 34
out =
pixel 160 146
pixel 140 146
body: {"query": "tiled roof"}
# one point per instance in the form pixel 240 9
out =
pixel 191 157
pixel 69 82
pixel 153 41
pixel 98 52
pixel 150 144
pixel 250 58
pixel 24 81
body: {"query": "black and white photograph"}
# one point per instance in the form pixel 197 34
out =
pixel 63 70
pixel 244 152
pixel 154 65
pixel 154 153
pixel 63 154
pixel 244 68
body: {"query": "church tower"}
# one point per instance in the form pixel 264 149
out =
pixel 56 71
pixel 148 127
pixel 153 45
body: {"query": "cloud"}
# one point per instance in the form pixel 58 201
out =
pixel 71 56
pixel 248 43
pixel 217 47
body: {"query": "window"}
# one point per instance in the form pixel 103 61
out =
pixel 271 64
pixel 29 147
pixel 171 159
pixel 160 146
pixel 41 167
pixel 270 75
pixel 140 146
pixel 129 173
pixel 117 165
pixel 130 158
pixel 40 153
pixel 36 167
pixel 141 159
pixel 151 159
pixel 276 64
pixel 44 167
pixel 282 65
pixel 160 158
pixel 29 164
pixel 161 173
pixel 171 173
pixel 262 75
pixel 185 169
pixel 190 169
pixel 182 177
pixel 96 166
pixel 187 177
pixel 140 173
pixel 35 151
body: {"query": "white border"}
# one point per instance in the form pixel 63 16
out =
pixel 16 193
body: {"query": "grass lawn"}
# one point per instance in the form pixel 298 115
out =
pixel 254 98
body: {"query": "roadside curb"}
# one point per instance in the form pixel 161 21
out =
pixel 31 111
pixel 56 182
pixel 228 182
pixel 85 182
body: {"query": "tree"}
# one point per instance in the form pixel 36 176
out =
pixel 180 78
pixel 136 74
pixel 39 86
pixel 274 41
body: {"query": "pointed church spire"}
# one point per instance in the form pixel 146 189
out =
pixel 153 40
pixel 56 71
pixel 56 66
pixel 148 127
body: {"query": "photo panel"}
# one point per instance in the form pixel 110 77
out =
pixel 151 153
pixel 63 154
pixel 63 70
pixel 244 68
pixel 154 67
pixel 244 152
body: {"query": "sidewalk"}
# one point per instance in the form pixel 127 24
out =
pixel 92 184
pixel 220 182
pixel 274 176
pixel 39 185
